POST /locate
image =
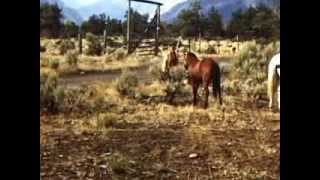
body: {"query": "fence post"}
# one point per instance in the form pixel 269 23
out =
pixel 128 27
pixel 157 31
pixel 105 40
pixel 80 40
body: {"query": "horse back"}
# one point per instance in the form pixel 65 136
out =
pixel 209 65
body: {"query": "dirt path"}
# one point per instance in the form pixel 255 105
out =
pixel 109 76
pixel 106 77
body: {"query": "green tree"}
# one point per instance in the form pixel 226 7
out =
pixel 114 26
pixel 255 22
pixel 235 26
pixel 50 20
pixel 265 23
pixel 70 29
pixel 192 22
pixel 138 22
pixel 215 23
pixel 96 24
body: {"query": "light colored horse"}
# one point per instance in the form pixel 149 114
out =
pixel 274 79
pixel 170 60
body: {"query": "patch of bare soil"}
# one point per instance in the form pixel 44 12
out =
pixel 198 148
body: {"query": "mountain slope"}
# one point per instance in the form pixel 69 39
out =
pixel 68 13
pixel 111 8
pixel 115 8
pixel 225 7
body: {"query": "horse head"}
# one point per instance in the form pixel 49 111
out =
pixel 170 60
pixel 188 57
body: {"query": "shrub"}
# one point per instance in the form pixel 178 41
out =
pixel 54 64
pixel 126 83
pixel 120 53
pixel 156 73
pixel 232 87
pixel 119 164
pixel 51 97
pixel 72 58
pixel 211 50
pixel 176 84
pixel 271 49
pixel 44 61
pixel 106 121
pixel 42 49
pixel 94 45
pixel 65 46
pixel 251 69
pixel 77 100
pixel 117 54
pixel 249 61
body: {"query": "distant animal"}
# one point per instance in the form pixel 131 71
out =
pixel 204 72
pixel 170 60
pixel 274 79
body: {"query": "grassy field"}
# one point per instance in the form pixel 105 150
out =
pixel 101 118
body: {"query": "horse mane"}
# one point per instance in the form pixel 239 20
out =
pixel 192 55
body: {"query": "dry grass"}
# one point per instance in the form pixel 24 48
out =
pixel 159 137
pixel 146 137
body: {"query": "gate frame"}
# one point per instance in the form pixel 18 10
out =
pixel 157 24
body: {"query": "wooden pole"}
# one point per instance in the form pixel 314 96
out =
pixel 80 40
pixel 157 31
pixel 238 43
pixel 105 40
pixel 128 26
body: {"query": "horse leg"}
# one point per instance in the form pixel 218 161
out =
pixel 219 92
pixel 279 95
pixel 206 91
pixel 271 85
pixel 195 90
pixel 216 87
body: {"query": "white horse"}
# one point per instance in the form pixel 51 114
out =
pixel 274 79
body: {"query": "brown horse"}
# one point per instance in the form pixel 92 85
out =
pixel 203 72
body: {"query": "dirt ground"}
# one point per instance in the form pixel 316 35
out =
pixel 199 147
pixel 156 140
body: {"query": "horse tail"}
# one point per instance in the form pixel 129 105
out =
pixel 216 88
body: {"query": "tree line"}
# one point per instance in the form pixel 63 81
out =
pixel 255 22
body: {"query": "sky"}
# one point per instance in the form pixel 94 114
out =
pixel 167 4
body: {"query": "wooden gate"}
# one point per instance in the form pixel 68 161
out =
pixel 140 44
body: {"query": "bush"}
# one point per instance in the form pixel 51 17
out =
pixel 72 58
pixel 51 97
pixel 176 84
pixel 120 53
pixel 44 61
pixel 119 164
pixel 251 69
pixel 65 46
pixel 108 120
pixel 42 49
pixel 156 73
pixel 250 60
pixel 54 64
pixel 76 100
pixel 211 50
pixel 126 83
pixel 94 45
pixel 117 54
pixel 271 49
